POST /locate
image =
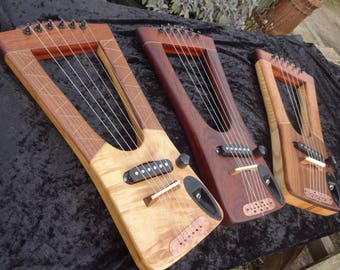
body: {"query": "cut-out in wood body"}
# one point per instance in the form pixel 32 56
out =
pixel 243 195
pixel 156 235
pixel 303 183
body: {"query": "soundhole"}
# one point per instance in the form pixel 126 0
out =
pixel 99 102
pixel 292 102
pixel 198 84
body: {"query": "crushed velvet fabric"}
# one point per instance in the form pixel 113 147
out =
pixel 51 215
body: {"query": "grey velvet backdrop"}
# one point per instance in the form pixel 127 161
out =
pixel 51 215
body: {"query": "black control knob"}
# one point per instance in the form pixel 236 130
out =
pixel 331 161
pixel 183 160
pixel 259 151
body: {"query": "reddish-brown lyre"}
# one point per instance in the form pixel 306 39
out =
pixel 215 170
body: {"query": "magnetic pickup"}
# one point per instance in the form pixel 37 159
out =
pixel 230 150
pixel 308 151
pixel 147 170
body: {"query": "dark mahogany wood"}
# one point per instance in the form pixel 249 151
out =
pixel 214 168
pixel 294 176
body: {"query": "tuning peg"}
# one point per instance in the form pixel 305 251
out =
pixel 331 161
pixel 38 28
pixel 49 25
pixel 82 25
pixel 61 25
pixel 183 160
pixel 72 24
pixel 259 151
pixel 27 30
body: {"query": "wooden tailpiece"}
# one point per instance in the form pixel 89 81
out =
pixel 299 156
pixel 225 157
pixel 150 232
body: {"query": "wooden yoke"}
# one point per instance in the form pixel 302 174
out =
pixel 299 157
pixel 225 157
pixel 152 198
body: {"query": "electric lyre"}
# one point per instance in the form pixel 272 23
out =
pixel 228 160
pixel 161 209
pixel 301 164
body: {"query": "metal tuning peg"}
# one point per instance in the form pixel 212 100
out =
pixel 259 151
pixel 197 34
pixel 72 24
pixel 49 25
pixel 27 30
pixel 182 29
pixel 82 25
pixel 61 24
pixel 331 161
pixel 161 28
pixel 183 160
pixel 38 28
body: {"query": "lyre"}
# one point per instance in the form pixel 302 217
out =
pixel 229 162
pixel 157 234
pixel 300 159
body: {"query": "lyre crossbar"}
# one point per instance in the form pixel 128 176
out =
pixel 299 156
pixel 227 158
pixel 157 234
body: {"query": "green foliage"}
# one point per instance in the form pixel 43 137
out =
pixel 225 12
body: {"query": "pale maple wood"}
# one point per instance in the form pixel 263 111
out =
pixel 154 234
pixel 292 175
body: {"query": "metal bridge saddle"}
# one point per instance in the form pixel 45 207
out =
pixel 227 158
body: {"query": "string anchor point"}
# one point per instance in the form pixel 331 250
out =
pixel 82 25
pixel 49 25
pixel 27 30
pixel 72 24
pixel 61 25
pixel 38 28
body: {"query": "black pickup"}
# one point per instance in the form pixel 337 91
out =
pixel 230 150
pixel 308 151
pixel 147 170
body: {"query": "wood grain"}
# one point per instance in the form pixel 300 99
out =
pixel 232 191
pixel 157 235
pixel 294 177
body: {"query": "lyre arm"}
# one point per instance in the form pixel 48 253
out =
pixel 303 82
pixel 23 55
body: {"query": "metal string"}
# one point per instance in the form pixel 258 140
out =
pixel 79 90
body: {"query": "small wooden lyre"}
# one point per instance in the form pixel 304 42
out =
pixel 229 162
pixel 301 164
pixel 161 209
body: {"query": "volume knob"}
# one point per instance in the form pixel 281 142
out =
pixel 331 161
pixel 259 151
pixel 183 160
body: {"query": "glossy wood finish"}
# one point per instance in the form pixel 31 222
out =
pixel 157 235
pixel 215 170
pixel 293 176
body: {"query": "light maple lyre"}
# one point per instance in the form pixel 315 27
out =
pixel 301 164
pixel 229 162
pixel 160 207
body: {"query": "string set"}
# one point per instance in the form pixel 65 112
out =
pixel 251 179
pixel 316 174
pixel 163 180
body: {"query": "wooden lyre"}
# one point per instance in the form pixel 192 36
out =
pixel 301 164
pixel 228 161
pixel 157 202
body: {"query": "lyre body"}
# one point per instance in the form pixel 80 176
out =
pixel 303 184
pixel 217 171
pixel 159 234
